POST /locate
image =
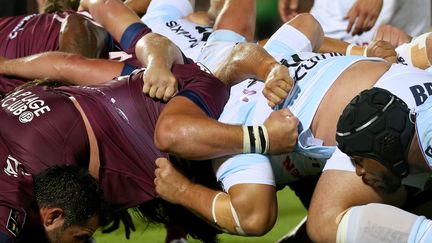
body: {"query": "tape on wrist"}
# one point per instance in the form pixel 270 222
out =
pixel 417 52
pixel 355 50
pixel 255 139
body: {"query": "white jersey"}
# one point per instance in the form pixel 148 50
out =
pixel 314 74
pixel 166 17
pixel 424 130
pixel 412 16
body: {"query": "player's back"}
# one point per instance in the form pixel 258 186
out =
pixel 30 34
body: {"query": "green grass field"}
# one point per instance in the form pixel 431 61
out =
pixel 290 213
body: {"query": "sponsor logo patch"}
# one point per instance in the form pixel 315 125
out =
pixel 25 105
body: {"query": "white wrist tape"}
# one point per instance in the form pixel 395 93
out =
pixel 355 50
pixel 417 52
pixel 255 139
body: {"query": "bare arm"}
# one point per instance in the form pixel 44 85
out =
pixel 254 204
pixel 184 129
pixel 61 66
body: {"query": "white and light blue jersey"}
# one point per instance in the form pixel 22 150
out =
pixel 424 129
pixel 166 17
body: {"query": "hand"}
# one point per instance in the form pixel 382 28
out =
pixel 382 49
pixel 364 14
pixel 278 85
pixel 124 217
pixel 288 9
pixel 282 131
pixel 170 183
pixel 159 83
pixel 393 35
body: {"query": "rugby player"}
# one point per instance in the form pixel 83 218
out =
pixel 325 83
pixel 383 157
pixel 36 203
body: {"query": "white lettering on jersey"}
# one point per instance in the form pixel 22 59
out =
pixel 119 56
pixel 20 26
pixel 13 167
pixel 26 105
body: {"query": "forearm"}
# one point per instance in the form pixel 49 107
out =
pixel 246 60
pixel 156 50
pixel 333 45
pixel 60 66
pixel 197 138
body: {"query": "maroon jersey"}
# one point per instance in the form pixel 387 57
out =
pixel 41 127
pixel 30 34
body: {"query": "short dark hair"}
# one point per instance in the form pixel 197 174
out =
pixel 72 189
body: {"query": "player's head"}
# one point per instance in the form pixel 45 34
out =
pixel 375 129
pixel 70 203
pixel 52 6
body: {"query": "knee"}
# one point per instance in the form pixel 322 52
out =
pixel 254 219
pixel 322 227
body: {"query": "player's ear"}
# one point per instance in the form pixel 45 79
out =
pixel 52 218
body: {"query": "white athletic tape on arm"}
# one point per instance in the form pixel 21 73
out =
pixel 255 139
pixel 214 207
pixel 238 228
pixel 417 52
pixel 355 50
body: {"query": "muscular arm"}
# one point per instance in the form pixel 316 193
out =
pixel 242 64
pixel 60 66
pixel 184 129
pixel 254 204
pixel 81 36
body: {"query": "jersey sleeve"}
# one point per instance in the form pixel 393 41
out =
pixel 202 88
pixel 339 161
